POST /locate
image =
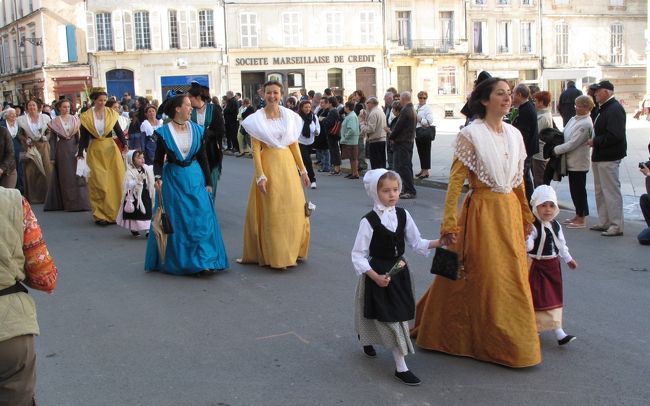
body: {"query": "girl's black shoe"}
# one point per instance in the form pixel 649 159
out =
pixel 369 350
pixel 408 378
pixel 135 233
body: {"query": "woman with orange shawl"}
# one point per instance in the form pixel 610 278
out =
pixel 488 315
pixel 104 159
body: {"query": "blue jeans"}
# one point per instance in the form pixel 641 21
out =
pixel 323 155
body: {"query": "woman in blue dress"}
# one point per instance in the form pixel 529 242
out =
pixel 196 245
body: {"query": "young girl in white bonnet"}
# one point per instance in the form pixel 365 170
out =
pixel 136 208
pixel 544 245
pixel 384 304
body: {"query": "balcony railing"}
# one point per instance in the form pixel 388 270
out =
pixel 432 46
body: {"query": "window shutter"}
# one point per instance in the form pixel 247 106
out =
pixel 118 31
pixel 129 42
pixel 91 42
pixel 182 29
pixel 194 32
pixel 155 29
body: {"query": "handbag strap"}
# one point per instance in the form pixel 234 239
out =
pixel 160 200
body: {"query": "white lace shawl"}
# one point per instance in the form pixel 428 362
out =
pixel 476 147
pixel 258 126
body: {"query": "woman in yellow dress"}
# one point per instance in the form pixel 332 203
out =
pixel 104 158
pixel 488 315
pixel 276 231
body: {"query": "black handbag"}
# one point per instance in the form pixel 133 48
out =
pixel 446 263
pixel 425 133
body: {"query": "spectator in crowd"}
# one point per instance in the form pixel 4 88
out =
pixel 350 139
pixel 25 261
pixel 310 130
pixel 243 139
pixel 315 102
pixel 389 98
pixel 424 134
pixel 291 103
pixel 577 132
pixel 128 101
pixel 525 120
pixel 542 100
pixel 359 99
pixel 591 91
pixel 566 104
pixel 403 137
pixel 329 124
pixel 321 143
pixel 373 127
pixel 147 127
pixel 609 147
pixel 644 202
pixel 238 97
pixel 230 112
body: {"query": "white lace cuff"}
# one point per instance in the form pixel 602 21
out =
pixel 261 178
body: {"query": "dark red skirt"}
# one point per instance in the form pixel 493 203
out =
pixel 546 283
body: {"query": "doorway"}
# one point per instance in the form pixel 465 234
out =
pixel 250 82
pixel 118 82
pixel 367 81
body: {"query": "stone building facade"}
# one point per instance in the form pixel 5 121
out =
pixel 43 50
pixel 147 51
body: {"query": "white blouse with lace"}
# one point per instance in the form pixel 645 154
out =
pixel 496 159
pixel 182 138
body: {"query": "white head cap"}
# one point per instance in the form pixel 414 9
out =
pixel 370 181
pixel 544 193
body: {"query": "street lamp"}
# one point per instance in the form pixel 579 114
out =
pixel 32 40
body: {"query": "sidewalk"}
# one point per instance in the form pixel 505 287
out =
pixel 632 181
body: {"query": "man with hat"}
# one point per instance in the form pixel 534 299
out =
pixel 609 148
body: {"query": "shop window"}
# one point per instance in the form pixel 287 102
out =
pixel 335 78
pixel 295 80
pixel 274 76
pixel 447 80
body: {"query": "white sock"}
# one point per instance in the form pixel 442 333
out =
pixel 400 362
pixel 559 333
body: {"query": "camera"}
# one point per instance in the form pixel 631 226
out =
pixel 644 164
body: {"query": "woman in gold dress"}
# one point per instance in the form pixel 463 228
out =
pixel 488 315
pixel 104 159
pixel 276 232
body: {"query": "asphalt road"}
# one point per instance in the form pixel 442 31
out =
pixel 115 335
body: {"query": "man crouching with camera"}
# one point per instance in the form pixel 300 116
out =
pixel 644 202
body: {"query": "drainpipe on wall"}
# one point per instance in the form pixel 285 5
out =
pixel 541 44
pixel 43 47
pixel 224 54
